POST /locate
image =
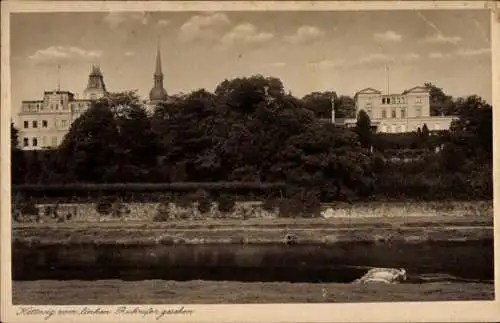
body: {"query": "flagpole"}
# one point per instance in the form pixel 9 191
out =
pixel 387 78
pixel 58 77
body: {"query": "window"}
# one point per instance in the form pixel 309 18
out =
pixel 403 113
pixel 26 142
pixel 64 123
pixel 44 141
pixel 384 114
pixel 403 128
pixel 35 124
pixel 418 112
pixel 388 101
pixel 369 112
pixel 56 123
pixel 393 128
pixel 57 106
pixel 418 99
pixel 393 113
pixel 44 123
pixel 54 141
pixel 383 100
pixel 384 128
pixel 26 124
pixel 35 142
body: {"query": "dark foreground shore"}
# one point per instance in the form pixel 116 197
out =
pixel 114 292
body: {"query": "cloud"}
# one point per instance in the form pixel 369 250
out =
pixel 275 64
pixel 388 36
pixel 473 52
pixel 129 54
pixel 439 38
pixel 439 55
pixel 59 53
pixel 326 63
pixel 245 33
pixel 462 52
pixel 411 57
pixel 115 19
pixel 203 27
pixel 163 23
pixel 305 34
pixel 375 58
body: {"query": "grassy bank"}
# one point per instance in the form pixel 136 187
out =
pixel 210 292
pixel 319 230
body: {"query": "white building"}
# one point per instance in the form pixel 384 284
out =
pixel 398 113
pixel 43 123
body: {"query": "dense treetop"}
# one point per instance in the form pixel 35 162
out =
pixel 251 130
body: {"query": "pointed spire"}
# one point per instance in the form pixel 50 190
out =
pixel 158 70
pixel 158 93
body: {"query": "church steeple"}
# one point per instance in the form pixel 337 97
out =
pixel 158 71
pixel 158 93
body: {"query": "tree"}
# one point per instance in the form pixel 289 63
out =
pixel 440 103
pixel 345 107
pixel 17 160
pixel 474 128
pixel 425 131
pixel 138 142
pixel 243 94
pixel 14 136
pixel 33 167
pixel 190 135
pixel 363 129
pixel 113 141
pixel 326 159
pixel 90 149
pixel 320 103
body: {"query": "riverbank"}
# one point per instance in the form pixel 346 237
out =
pixel 115 292
pixel 252 261
pixel 232 231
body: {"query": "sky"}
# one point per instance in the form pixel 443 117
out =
pixel 308 50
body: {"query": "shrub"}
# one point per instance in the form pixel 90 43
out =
pixel 183 200
pixel 270 204
pixel 162 213
pixel 104 206
pixel 286 208
pixel 203 198
pixel 204 206
pixel 28 208
pixel 226 203
pixel 119 209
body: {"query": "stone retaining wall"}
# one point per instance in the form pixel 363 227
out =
pixel 87 212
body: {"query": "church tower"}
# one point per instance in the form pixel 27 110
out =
pixel 158 93
pixel 95 87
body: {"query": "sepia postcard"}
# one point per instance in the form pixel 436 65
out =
pixel 260 161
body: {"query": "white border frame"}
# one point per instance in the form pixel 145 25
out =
pixel 463 311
